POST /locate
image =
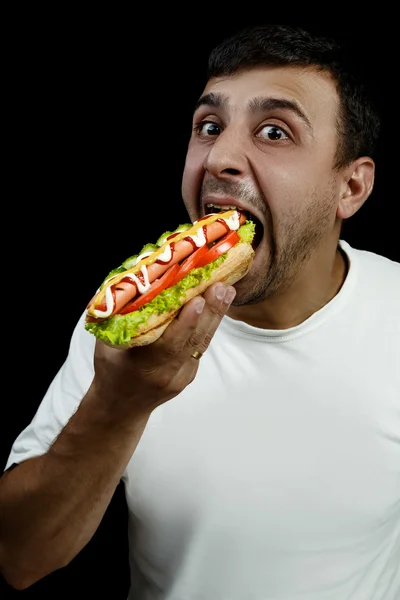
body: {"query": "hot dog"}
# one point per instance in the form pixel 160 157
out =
pixel 137 301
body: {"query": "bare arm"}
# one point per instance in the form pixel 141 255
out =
pixel 51 506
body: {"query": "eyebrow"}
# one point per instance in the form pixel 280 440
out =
pixel 256 105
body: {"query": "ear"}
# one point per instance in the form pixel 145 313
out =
pixel 358 183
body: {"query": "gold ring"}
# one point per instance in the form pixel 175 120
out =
pixel 197 354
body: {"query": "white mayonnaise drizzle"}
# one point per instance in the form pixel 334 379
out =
pixel 233 221
pixel 109 306
pixel 166 255
pixel 199 239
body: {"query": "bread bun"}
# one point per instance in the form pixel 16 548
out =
pixel 234 267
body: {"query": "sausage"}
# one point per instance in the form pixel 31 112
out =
pixel 129 286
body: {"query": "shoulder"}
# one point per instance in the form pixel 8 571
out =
pixel 378 273
pixel 372 262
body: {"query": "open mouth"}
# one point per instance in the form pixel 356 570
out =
pixel 259 230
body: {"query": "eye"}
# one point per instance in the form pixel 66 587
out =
pixel 207 129
pixel 273 132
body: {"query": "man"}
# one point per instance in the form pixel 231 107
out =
pixel 269 469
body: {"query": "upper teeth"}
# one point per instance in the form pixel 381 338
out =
pixel 222 206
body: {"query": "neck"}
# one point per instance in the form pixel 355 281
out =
pixel 318 283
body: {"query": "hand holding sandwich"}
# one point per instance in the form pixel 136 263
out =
pixel 131 383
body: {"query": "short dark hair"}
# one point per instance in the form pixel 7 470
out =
pixel 285 45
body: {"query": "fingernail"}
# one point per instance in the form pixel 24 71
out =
pixel 200 302
pixel 229 295
pixel 220 291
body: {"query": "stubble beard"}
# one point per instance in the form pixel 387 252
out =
pixel 301 235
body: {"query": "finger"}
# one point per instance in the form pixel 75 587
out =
pixel 194 321
pixel 175 337
pixel 218 299
pixel 186 344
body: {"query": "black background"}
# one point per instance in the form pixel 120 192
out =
pixel 99 115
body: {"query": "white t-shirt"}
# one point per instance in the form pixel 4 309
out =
pixel 276 474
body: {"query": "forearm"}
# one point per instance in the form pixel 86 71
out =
pixel 52 505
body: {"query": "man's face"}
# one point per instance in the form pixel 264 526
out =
pixel 265 140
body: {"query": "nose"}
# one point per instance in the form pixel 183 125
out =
pixel 226 157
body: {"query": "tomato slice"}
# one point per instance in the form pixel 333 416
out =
pixel 189 263
pixel 156 288
pixel 225 244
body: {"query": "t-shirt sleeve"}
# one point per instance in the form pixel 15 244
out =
pixel 61 400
